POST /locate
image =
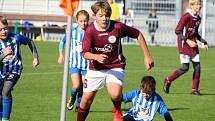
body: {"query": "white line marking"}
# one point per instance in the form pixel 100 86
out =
pixel 127 70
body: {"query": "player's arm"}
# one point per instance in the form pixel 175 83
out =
pixel 149 63
pixel 179 31
pixel 180 27
pixel 61 50
pixel 205 44
pixel 34 52
pixel 97 57
pixel 27 41
pixel 7 51
pixel 127 97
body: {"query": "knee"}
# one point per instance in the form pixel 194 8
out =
pixel 184 69
pixel 116 97
pixel 86 103
pixel 6 93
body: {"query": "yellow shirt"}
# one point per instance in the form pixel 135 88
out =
pixel 115 12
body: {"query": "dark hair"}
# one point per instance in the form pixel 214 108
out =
pixel 104 6
pixel 148 84
pixel 82 12
pixel 3 20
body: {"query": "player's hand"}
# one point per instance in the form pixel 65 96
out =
pixel 7 51
pixel 36 62
pixel 100 58
pixel 149 63
pixel 191 43
pixel 205 46
pixel 60 59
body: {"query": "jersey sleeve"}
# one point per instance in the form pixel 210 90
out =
pixel 163 109
pixel 127 97
pixel 180 26
pixel 61 44
pixel 22 39
pixel 87 41
pixel 129 31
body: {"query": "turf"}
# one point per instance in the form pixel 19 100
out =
pixel 37 95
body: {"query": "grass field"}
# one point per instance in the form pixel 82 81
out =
pixel 37 96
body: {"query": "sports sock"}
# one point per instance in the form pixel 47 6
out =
pixel 117 105
pixel 73 93
pixel 6 107
pixel 78 101
pixel 0 116
pixel 82 114
pixel 173 76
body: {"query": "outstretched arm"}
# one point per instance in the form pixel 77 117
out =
pixel 33 49
pixel 149 63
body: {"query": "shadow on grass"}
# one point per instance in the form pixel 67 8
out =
pixel 173 109
pixel 202 94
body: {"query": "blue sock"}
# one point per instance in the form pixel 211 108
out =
pixel 0 116
pixel 73 93
pixel 6 107
pixel 78 102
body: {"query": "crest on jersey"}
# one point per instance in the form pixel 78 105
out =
pixel 112 39
pixel 144 113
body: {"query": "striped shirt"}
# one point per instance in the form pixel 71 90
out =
pixel 76 59
pixel 145 109
pixel 13 63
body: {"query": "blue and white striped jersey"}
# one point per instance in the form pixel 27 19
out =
pixel 13 63
pixel 76 59
pixel 145 109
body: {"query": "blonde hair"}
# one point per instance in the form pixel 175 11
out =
pixel 82 12
pixel 192 2
pixel 3 20
pixel 104 6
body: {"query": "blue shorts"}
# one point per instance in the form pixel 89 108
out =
pixel 77 70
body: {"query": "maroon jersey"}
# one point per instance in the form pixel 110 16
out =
pixel 188 26
pixel 108 43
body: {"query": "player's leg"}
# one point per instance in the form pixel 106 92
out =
pixel 94 80
pixel 80 92
pixel 1 86
pixel 115 92
pixel 196 75
pixel 75 77
pixel 114 86
pixel 9 83
pixel 177 73
pixel 85 104
pixel 169 79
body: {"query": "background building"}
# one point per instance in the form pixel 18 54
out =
pixel 48 20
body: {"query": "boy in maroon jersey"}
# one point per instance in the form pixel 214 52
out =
pixel 187 31
pixel 101 45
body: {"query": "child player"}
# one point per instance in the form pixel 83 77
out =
pixel 78 65
pixel 145 102
pixel 187 31
pixel 102 46
pixel 11 65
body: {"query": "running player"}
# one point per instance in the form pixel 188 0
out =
pixel 145 102
pixel 11 65
pixel 78 65
pixel 187 31
pixel 102 46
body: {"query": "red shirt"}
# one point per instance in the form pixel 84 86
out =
pixel 108 43
pixel 188 26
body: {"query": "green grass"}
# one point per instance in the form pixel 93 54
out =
pixel 37 95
